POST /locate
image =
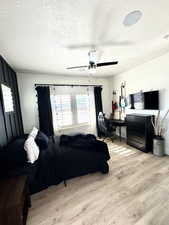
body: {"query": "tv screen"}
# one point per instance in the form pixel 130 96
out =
pixel 151 100
pixel 145 100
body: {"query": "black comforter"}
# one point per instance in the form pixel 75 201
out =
pixel 65 158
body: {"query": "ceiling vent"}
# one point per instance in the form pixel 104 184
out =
pixel 132 18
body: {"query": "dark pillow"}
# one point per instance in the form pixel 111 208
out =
pixel 42 140
pixel 13 155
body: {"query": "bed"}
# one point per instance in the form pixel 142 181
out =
pixel 65 157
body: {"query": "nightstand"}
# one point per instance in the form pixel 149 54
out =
pixel 14 201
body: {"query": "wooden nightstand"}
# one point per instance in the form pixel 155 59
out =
pixel 14 201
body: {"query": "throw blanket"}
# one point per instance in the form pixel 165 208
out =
pixel 85 142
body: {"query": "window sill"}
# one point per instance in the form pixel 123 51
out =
pixel 74 126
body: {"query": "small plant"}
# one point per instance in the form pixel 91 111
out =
pixel 158 124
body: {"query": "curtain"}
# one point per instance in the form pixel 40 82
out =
pixel 45 110
pixel 98 105
pixel 92 110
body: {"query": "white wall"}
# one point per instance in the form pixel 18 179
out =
pixel 153 75
pixel 26 83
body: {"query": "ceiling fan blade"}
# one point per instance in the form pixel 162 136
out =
pixel 87 45
pixel 116 43
pixel 107 63
pixel 76 67
pixel 100 43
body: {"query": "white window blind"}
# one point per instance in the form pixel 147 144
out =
pixel 7 98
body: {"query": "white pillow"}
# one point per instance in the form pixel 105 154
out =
pixel 31 149
pixel 34 132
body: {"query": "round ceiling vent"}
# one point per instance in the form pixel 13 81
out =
pixel 132 18
pixel 166 36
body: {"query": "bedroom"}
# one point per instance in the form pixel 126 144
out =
pixel 39 40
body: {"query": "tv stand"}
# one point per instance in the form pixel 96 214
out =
pixel 140 131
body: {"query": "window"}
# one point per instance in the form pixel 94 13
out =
pixel 73 109
pixel 7 98
pixel 63 112
pixel 69 110
pixel 83 113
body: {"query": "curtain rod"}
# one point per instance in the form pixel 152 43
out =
pixel 70 85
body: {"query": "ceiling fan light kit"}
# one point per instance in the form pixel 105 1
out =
pixel 92 56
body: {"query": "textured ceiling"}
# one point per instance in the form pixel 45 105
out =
pixel 35 35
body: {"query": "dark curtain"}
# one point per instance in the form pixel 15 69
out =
pixel 45 111
pixel 98 105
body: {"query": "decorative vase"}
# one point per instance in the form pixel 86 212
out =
pixel 158 146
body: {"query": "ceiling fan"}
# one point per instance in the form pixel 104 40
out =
pixel 93 64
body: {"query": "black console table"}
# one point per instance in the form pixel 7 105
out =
pixel 118 123
pixel 140 131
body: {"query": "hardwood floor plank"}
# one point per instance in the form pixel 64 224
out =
pixel 135 192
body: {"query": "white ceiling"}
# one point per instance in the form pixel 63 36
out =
pixel 34 34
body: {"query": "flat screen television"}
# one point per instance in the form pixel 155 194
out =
pixel 145 100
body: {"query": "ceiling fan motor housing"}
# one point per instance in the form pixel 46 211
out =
pixel 92 65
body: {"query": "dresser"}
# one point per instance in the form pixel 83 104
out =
pixel 140 131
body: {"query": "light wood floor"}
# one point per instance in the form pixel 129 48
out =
pixel 135 192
